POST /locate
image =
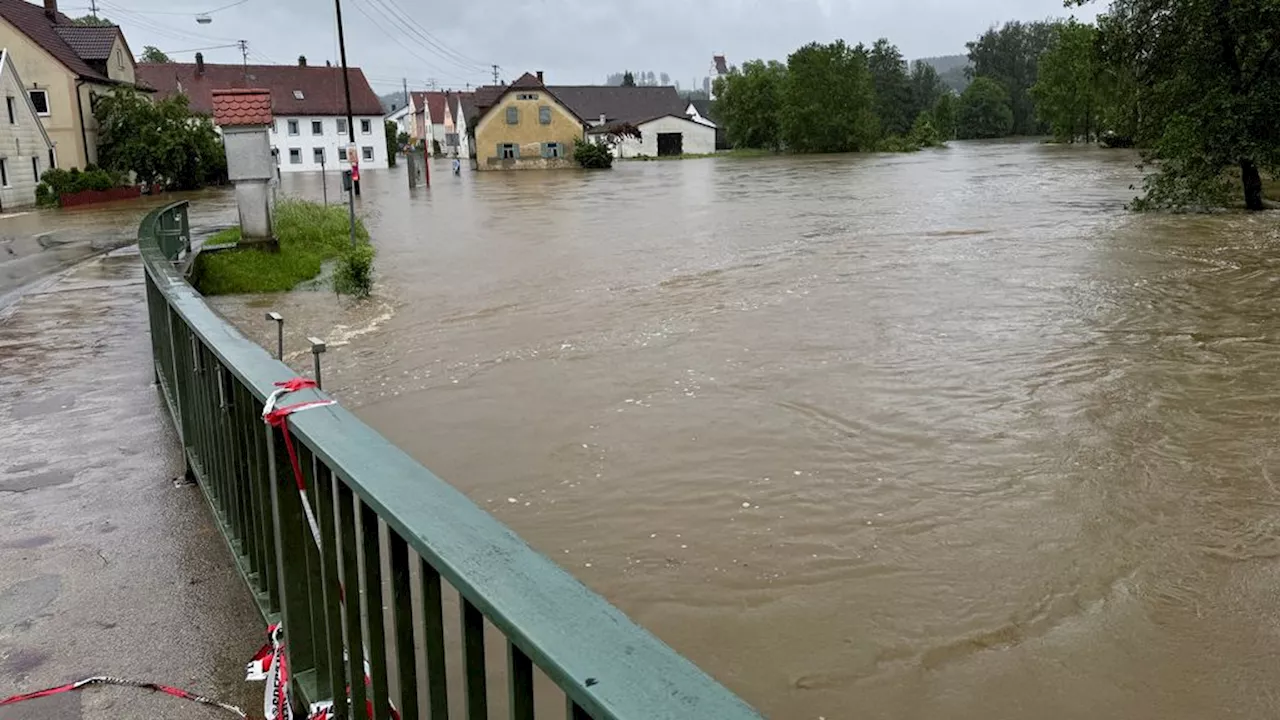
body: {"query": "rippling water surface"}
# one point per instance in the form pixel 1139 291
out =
pixel 917 436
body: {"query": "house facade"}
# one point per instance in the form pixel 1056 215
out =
pixel 668 135
pixel 437 105
pixel 25 149
pixel 310 129
pixel 661 115
pixel 524 126
pixel 64 68
pixel 403 120
pixel 464 108
pixel 418 116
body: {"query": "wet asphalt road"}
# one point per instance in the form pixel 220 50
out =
pixel 105 566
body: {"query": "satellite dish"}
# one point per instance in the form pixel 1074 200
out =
pixel 204 19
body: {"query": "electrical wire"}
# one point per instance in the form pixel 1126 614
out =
pixel 395 37
pixel 409 21
pixel 440 51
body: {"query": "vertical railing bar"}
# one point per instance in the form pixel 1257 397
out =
pixel 473 677
pixel 574 711
pixel 519 683
pixel 317 589
pixel 374 615
pixel 242 412
pixel 292 536
pixel 351 577
pixel 402 609
pixel 230 456
pixel 266 482
pixel 333 591
pixel 433 638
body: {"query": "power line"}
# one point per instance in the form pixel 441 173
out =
pixel 395 37
pixel 199 49
pixel 439 49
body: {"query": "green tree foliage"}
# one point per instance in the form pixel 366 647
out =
pixel 628 80
pixel 393 148
pixel 924 133
pixel 944 116
pixel 828 100
pixel 162 142
pixel 926 88
pixel 984 110
pixel 354 274
pixel 91 21
pixel 748 103
pixel 403 139
pixel 153 54
pixel 894 102
pixel 56 182
pixel 593 156
pixel 1068 89
pixel 1010 55
pixel 951 70
pixel 1208 92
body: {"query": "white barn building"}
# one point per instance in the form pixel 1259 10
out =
pixel 307 101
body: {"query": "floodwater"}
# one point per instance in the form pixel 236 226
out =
pixel 942 435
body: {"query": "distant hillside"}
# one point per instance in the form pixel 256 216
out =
pixel 392 98
pixel 951 69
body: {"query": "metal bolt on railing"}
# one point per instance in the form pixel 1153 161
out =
pixel 317 349
pixel 279 334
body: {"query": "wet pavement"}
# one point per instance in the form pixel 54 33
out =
pixel 106 567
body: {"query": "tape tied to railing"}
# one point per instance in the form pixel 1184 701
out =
pixel 278 417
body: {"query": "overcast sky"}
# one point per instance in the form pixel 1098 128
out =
pixel 573 41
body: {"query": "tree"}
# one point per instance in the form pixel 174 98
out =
pixel 628 80
pixel 1010 56
pixel 665 79
pixel 153 54
pixel 91 21
pixel 829 100
pixel 748 102
pixel 1207 93
pixel 392 147
pixel 1067 90
pixel 984 110
pixel 892 86
pixel 403 139
pixel 162 142
pixel 944 116
pixel 926 88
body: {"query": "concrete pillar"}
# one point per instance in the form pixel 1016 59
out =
pixel 245 116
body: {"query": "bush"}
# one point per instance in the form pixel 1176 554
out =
pixel 56 182
pixel 593 156
pixel 354 275
pixel 898 144
pixel 923 133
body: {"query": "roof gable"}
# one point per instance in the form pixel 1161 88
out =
pixel 489 96
pixel 7 68
pixel 242 107
pixel 619 103
pixel 31 20
pixel 294 89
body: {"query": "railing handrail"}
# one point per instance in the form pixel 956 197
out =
pixel 611 667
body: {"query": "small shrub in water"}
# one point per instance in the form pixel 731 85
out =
pixel 354 274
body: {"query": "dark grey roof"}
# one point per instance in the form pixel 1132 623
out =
pixel 702 106
pixel 620 103
pixel 30 19
pixel 89 42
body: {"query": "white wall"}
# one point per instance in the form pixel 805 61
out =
pixel 698 138
pixel 20 141
pixel 330 140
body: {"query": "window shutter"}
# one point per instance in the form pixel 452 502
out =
pixel 513 116
pixel 545 149
pixel 516 148
pixel 499 151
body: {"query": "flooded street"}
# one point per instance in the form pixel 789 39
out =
pixel 948 434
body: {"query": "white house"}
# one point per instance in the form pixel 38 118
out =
pixel 25 149
pixel 696 116
pixel 665 135
pixel 464 110
pixel 307 101
pixel 403 119
pixel 658 112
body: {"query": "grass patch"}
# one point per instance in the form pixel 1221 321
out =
pixel 309 234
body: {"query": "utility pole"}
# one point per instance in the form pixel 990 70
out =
pixel 244 53
pixel 431 83
pixel 495 74
pixel 346 87
pixel 406 91
pixel 93 8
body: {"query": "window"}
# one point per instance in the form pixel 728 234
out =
pixel 342 126
pixel 513 116
pixel 315 128
pixel 275 154
pixel 295 156
pixel 342 153
pixel 527 96
pixel 367 152
pixel 35 167
pixel 508 151
pixel 317 156
pixel 297 95
pixel 8 101
pixel 40 98
pixel 544 114
pixel 119 58
pixel 293 127
pixel 4 172
pixel 551 150
pixel 366 127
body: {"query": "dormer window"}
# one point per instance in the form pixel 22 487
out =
pixel 297 95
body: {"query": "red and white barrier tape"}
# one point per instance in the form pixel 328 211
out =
pixel 108 680
pixel 269 664
pixel 279 417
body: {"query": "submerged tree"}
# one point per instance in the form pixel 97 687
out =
pixel 829 100
pixel 1068 88
pixel 1208 90
pixel 893 88
pixel 1010 55
pixel 984 110
pixel 748 102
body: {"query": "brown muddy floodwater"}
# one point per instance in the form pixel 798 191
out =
pixel 944 435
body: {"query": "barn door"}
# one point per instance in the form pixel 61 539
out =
pixel 670 144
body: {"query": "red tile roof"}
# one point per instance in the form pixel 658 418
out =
pixel 435 105
pixel 242 107
pixel 320 87
pixel 30 20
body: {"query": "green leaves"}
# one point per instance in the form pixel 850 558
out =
pixel 748 100
pixel 985 110
pixel 828 100
pixel 162 142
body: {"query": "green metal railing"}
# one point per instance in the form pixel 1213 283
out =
pixel 215 382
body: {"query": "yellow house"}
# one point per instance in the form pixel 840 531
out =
pixel 524 126
pixel 64 68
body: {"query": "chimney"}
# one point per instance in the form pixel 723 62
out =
pixel 602 118
pixel 302 61
pixel 199 60
pixel 51 9
pixel 539 77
